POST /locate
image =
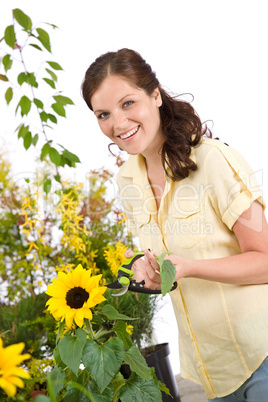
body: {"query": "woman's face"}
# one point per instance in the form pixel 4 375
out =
pixel 128 116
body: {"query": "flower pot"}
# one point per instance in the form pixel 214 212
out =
pixel 35 394
pixel 157 357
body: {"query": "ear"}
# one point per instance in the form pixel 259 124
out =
pixel 157 96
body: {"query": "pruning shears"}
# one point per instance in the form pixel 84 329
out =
pixel 126 282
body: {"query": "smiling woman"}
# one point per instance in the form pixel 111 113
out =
pixel 126 95
pixel 177 182
pixel 128 116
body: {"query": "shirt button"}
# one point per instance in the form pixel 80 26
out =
pixel 198 364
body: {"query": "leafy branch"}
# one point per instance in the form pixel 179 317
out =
pixel 29 84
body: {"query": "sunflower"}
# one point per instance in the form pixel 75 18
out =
pixel 10 373
pixel 73 295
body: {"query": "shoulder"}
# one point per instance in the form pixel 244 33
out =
pixel 214 153
pixel 126 169
pixel 133 169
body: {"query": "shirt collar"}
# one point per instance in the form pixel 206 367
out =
pixel 135 166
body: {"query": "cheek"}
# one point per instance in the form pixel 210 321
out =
pixel 140 114
pixel 104 126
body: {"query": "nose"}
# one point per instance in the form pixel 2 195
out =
pixel 120 120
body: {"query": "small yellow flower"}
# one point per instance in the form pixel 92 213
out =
pixel 115 256
pixel 123 219
pixel 73 295
pixel 129 329
pixel 10 373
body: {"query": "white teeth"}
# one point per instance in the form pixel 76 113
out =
pixel 129 133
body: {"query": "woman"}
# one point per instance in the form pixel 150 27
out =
pixel 193 196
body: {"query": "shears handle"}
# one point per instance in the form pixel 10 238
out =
pixel 125 273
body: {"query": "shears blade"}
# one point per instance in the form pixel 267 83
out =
pixel 121 292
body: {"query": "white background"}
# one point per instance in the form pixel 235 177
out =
pixel 214 49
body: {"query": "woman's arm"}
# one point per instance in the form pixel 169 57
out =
pixel 250 267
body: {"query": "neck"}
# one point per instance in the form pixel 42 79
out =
pixel 153 157
pixel 154 165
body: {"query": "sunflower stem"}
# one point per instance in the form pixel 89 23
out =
pixel 89 329
pixel 102 332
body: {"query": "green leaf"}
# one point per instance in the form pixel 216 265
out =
pixel 103 361
pixel 43 37
pixel 25 105
pixel 167 273
pixel 3 77
pixel 138 389
pixel 54 65
pixel 58 379
pixel 70 156
pixel 44 116
pixel 54 156
pixel 27 140
pixel 9 95
pixel 35 46
pixel 42 398
pixel 58 360
pixel 23 131
pixel 47 185
pixel 57 178
pixel 21 78
pixel 22 19
pixel 111 313
pixel 30 78
pixel 52 74
pixel 7 62
pixel 45 150
pixel 35 139
pixel 38 103
pixel 121 332
pixel 137 363
pixel 52 118
pixel 10 37
pixel 59 109
pixel 63 100
pixel 161 257
pixel 71 349
pixel 50 82
pixel 76 392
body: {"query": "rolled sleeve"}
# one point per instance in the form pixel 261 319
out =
pixel 234 186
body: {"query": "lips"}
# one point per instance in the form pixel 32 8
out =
pixel 129 133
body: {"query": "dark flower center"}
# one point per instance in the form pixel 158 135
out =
pixel 76 297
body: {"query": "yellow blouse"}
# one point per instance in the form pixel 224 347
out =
pixel 223 329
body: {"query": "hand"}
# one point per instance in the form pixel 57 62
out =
pixel 180 264
pixel 146 269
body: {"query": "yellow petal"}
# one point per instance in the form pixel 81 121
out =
pixel 79 318
pixel 9 388
pixel 16 381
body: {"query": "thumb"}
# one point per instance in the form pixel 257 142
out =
pixel 128 253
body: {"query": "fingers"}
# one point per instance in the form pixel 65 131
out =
pixel 147 269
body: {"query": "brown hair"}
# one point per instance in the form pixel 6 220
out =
pixel 181 125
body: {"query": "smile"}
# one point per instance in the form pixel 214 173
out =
pixel 129 133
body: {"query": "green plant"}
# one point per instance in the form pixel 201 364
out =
pixel 76 302
pixel 32 83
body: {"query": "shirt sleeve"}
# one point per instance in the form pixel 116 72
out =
pixel 232 183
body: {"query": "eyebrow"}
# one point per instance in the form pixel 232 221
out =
pixel 120 100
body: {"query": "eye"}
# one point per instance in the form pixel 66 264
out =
pixel 103 115
pixel 127 104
